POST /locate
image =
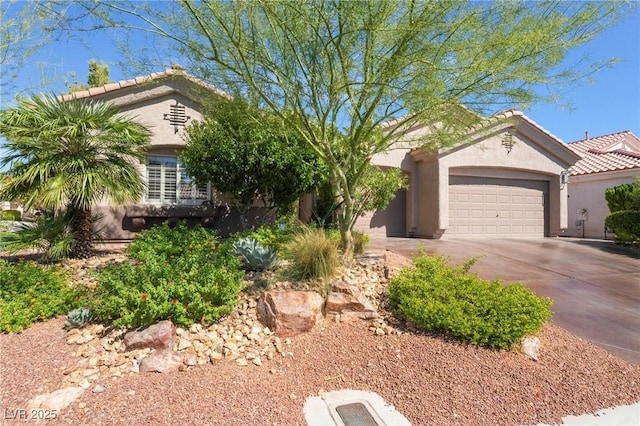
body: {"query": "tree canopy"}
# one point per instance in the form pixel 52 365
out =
pixel 69 155
pixel 337 71
pixel 248 154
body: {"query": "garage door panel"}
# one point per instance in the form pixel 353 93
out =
pixel 487 207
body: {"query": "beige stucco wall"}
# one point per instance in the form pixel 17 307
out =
pixel 533 157
pixel 587 192
pixel 527 160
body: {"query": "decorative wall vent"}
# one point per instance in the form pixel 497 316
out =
pixel 177 116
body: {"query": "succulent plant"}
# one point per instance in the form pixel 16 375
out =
pixel 78 318
pixel 255 256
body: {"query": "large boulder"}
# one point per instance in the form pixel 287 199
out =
pixel 161 335
pixel 347 300
pixel 289 313
pixel 161 361
pixel 57 400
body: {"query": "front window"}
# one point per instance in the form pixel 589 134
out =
pixel 168 183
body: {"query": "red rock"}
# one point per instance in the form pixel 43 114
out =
pixel 161 361
pixel 348 301
pixel 161 335
pixel 289 313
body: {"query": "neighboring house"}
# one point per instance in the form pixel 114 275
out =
pixel 606 161
pixel 165 103
pixel 506 180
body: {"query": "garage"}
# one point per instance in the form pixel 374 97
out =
pixel 390 222
pixel 481 207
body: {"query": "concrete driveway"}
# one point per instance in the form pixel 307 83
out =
pixel 594 284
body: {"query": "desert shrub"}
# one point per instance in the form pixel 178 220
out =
pixel 78 317
pixel 312 254
pixel 50 235
pixel 450 300
pixel 30 292
pixel 12 215
pixel 626 225
pixel 187 278
pixel 623 197
pixel 168 243
pixel 274 236
pixel 360 239
pixel 255 256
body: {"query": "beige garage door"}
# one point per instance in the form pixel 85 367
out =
pixel 488 207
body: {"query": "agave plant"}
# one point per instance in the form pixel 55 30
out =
pixel 255 256
pixel 78 318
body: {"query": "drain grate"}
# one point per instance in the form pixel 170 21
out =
pixel 355 414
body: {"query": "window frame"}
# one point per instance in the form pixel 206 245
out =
pixel 166 169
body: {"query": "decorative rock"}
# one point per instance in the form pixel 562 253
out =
pixel 348 301
pixel 161 361
pixel 290 313
pixel 191 359
pixel 183 344
pixel 530 347
pixel 157 336
pixel 98 389
pixel 242 362
pixel 57 400
pixel 85 339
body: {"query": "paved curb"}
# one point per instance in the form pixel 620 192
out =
pixel 321 410
pixel 624 415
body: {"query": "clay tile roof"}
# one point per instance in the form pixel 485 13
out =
pixel 617 151
pixel 110 87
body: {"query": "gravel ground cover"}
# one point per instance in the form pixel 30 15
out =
pixel 430 380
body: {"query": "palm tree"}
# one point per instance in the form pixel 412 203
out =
pixel 69 155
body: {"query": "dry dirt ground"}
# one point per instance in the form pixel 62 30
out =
pixel 430 380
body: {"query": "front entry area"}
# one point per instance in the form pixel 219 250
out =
pixel 482 207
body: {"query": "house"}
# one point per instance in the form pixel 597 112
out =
pixel 165 103
pixel 605 161
pixel 507 179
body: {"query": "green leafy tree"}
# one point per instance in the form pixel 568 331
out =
pixel 336 71
pixel 21 36
pixel 69 155
pixel 248 154
pixel 98 76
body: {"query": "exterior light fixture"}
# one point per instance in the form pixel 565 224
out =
pixel 508 142
pixel 564 178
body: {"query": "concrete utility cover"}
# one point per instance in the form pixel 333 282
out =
pixel 351 408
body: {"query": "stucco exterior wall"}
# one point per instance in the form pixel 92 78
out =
pixel 587 192
pixel 488 158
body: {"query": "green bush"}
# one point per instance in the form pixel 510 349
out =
pixel 274 236
pixel 626 225
pixel 360 239
pixel 168 243
pixel 30 292
pixel 12 215
pixel 312 254
pixel 623 197
pixel 178 274
pixel 450 300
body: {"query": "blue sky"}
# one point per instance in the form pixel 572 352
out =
pixel 609 103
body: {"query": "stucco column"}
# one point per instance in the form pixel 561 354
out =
pixel 443 198
pixel 412 201
pixel 557 206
